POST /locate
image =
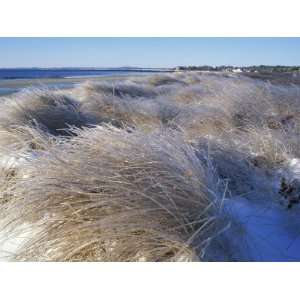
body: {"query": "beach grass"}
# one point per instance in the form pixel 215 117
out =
pixel 149 168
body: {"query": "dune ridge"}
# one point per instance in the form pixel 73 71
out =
pixel 152 168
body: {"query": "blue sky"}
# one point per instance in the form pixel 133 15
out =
pixel 147 52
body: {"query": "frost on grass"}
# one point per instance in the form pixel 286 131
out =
pixel 121 90
pixel 114 195
pixel 52 111
pixel 180 167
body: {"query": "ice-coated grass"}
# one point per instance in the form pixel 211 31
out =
pixel 159 168
pixel 52 111
pixel 122 89
pixel 116 195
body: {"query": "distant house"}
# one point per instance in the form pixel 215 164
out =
pixel 238 70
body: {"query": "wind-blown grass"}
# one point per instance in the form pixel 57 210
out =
pixel 113 194
pixel 52 111
pixel 140 169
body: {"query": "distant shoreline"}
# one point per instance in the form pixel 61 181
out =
pixel 13 80
pixel 10 86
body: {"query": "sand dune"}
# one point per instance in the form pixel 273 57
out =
pixel 171 167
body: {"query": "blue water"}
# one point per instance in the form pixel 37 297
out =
pixel 35 74
pixel 66 73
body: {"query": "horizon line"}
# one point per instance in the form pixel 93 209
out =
pixel 140 67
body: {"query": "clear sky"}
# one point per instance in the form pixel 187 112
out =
pixel 147 52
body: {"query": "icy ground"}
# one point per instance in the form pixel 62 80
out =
pixel 263 231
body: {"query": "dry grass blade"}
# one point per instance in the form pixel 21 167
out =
pixel 113 195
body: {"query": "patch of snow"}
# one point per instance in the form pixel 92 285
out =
pixel 294 168
pixel 258 231
pixel 11 242
pixel 9 162
pixel 15 161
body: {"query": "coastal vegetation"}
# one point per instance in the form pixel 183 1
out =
pixel 184 166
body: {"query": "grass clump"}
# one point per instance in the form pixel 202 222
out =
pixel 114 195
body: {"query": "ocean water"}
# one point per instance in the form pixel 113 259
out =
pixel 6 74
pixel 14 80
